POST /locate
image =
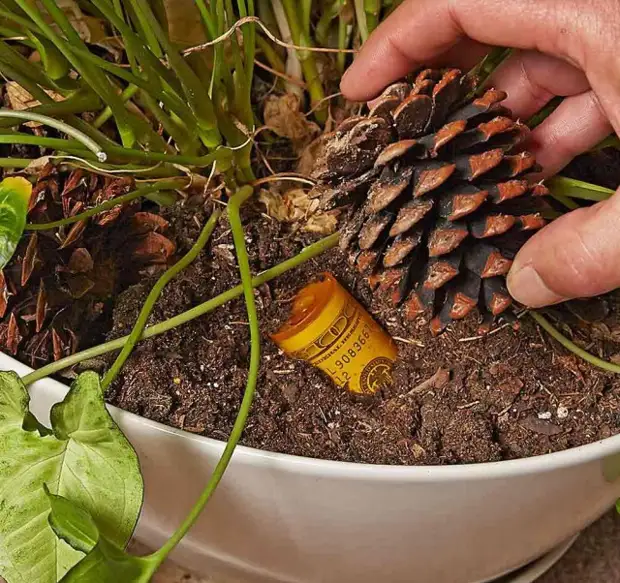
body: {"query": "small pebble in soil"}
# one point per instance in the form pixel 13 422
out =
pixel 545 415
pixel 562 412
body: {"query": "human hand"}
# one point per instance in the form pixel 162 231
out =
pixel 566 48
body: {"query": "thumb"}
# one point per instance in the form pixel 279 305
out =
pixel 575 256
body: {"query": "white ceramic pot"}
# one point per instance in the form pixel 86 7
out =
pixel 283 518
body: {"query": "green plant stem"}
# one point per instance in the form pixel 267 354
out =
pixel 108 204
pixel 94 77
pixel 567 202
pixel 306 15
pixel 107 113
pixel 570 345
pixel 372 8
pixel 330 12
pixel 244 410
pixel 15 162
pixel 305 255
pixel 572 188
pixel 360 18
pixel 343 41
pixel 156 291
pixel 198 98
pixel 544 113
pixel 60 126
pixel 273 58
pixel 483 71
pixel 118 152
pixel 307 60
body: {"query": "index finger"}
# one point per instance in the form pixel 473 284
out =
pixel 420 31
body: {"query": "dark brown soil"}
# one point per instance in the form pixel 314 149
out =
pixel 512 394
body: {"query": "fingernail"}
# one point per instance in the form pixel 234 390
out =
pixel 528 288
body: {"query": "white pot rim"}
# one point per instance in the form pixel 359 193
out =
pixel 329 468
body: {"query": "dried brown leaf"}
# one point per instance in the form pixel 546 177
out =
pixel 184 22
pixel 296 207
pixel 14 335
pixel 284 117
pixel 81 261
pixel 31 259
pixel 439 380
pixel 4 295
pixel 74 234
pixel 57 345
pixel 144 222
pixel 41 309
pixel 153 248
pixel 20 99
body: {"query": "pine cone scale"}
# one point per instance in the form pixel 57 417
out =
pixel 438 205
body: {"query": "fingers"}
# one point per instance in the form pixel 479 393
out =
pixel 576 126
pixel 575 256
pixel 399 45
pixel 419 31
pixel 532 79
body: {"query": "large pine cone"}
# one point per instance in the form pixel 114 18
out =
pixel 435 207
pixel 55 290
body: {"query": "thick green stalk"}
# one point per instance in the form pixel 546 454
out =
pixel 360 18
pixel 305 255
pixel 272 56
pixel 570 345
pixel 151 300
pixel 178 132
pixel 246 8
pixel 144 29
pixel 244 95
pixel 372 8
pixel 106 114
pixel 306 16
pixel 11 16
pixel 248 397
pixel 15 162
pixel 12 58
pixel 308 62
pixel 330 12
pixel 93 77
pixel 109 204
pixel 151 66
pixel 197 98
pixel 343 41
pixel 208 20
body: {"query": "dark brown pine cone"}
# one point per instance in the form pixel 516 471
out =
pixel 56 288
pixel 434 202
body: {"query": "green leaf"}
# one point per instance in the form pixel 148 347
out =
pixel 104 560
pixel 86 460
pixel 54 62
pixel 106 563
pixel 14 198
pixel 72 524
pixel 562 186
